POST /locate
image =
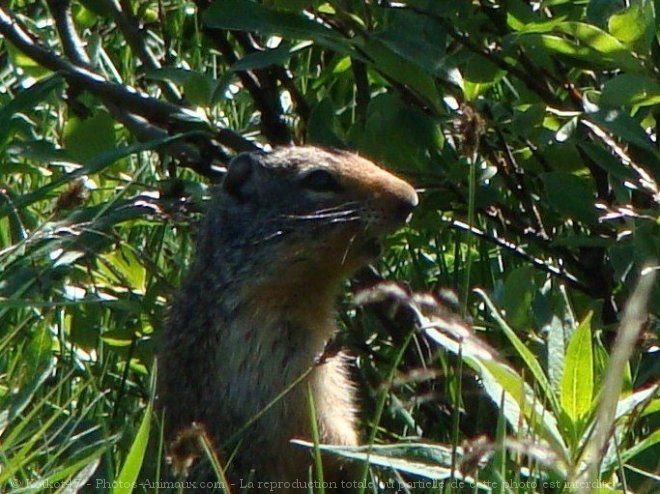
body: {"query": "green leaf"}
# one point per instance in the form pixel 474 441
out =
pixel 398 68
pixel 412 137
pixel 586 43
pixel 635 26
pixel 570 195
pixel 125 481
pixel 85 139
pixel 240 15
pixel 630 90
pixel 507 388
pixel 623 126
pixel 420 40
pixel 35 365
pixel 124 268
pixel 610 48
pixel 199 88
pixel 479 74
pixel 607 162
pixel 577 383
pixel 322 126
pixel 524 353
pixel 424 460
pixel 266 58
pixel 25 62
pixel 517 296
pixel 26 100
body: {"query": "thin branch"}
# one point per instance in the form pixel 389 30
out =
pixel 300 104
pixel 517 183
pixel 362 91
pixel 264 93
pixel 518 251
pixel 71 42
pixel 127 23
pixel 139 127
pixel 267 75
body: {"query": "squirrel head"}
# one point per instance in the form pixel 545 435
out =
pixel 307 212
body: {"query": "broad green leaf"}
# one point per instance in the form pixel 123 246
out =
pixel 586 43
pixel 528 119
pixel 479 75
pixel 521 407
pixel 125 269
pixel 99 7
pixel 577 384
pixel 427 461
pixel 398 68
pixel 603 43
pixel 635 26
pixel 199 89
pixel 420 40
pixel 250 16
pixel 86 139
pixel 599 11
pixel 517 296
pixel 630 90
pixel 276 56
pixel 322 126
pixel 26 63
pixel 570 195
pixel 524 353
pixel 292 5
pixel 413 136
pixel 624 127
pixel 607 162
pixel 133 462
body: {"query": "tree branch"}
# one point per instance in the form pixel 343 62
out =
pixel 166 115
pixel 128 26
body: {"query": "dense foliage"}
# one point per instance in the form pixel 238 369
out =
pixel 530 129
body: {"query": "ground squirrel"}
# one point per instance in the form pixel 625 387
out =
pixel 282 232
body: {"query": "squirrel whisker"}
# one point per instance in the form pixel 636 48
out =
pixel 316 215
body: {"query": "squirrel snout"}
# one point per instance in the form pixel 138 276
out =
pixel 404 209
pixel 406 202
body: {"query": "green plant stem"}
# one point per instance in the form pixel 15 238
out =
pixel 381 406
pixel 469 242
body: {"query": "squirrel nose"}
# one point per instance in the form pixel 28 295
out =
pixel 406 204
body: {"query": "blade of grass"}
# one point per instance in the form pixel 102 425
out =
pixel 634 317
pixel 126 480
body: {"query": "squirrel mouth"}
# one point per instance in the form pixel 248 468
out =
pixel 372 247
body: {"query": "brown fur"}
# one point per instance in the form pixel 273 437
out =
pixel 258 308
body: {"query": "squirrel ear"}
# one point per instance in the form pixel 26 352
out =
pixel 238 174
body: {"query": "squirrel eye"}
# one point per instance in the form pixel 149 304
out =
pixel 320 181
